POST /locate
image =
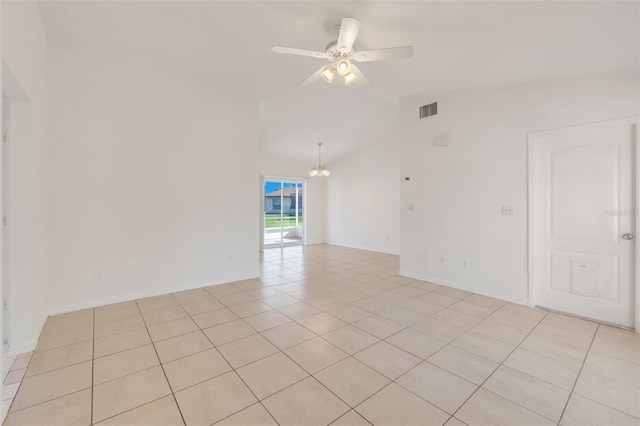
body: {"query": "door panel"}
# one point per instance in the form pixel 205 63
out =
pixel 583 183
pixel 593 275
pixel 583 201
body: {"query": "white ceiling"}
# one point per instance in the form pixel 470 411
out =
pixel 458 45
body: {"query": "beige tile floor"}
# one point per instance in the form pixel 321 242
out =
pixel 11 379
pixel 327 335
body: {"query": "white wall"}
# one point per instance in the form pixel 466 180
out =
pixel 363 195
pixel 151 183
pixel 457 191
pixel 314 193
pixel 24 57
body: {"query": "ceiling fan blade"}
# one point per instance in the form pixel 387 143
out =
pixel 348 32
pixel 312 78
pixel 361 80
pixel 299 52
pixel 391 53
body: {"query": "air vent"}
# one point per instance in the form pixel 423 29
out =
pixel 428 110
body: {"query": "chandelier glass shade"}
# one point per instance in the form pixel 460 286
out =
pixel 319 170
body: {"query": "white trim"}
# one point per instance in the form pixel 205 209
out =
pixel 12 89
pixel 29 346
pixel 21 349
pixel 57 310
pixel 637 183
pixel 531 138
pixel 261 214
pixel 359 247
pixel 470 288
pixel 598 125
pixel 531 294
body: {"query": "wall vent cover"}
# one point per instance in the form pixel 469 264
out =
pixel 428 110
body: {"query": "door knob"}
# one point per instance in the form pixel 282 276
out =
pixel 627 236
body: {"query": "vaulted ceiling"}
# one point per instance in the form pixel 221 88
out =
pixel 458 45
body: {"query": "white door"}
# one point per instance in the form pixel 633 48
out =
pixel 583 220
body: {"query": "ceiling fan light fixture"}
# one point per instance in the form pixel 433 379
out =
pixel 344 67
pixel 328 73
pixel 349 78
pixel 341 52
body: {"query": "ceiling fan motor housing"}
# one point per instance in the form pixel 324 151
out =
pixel 335 55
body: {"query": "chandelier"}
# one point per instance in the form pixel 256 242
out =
pixel 319 170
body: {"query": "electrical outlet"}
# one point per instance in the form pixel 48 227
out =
pixel 443 260
pixel 507 210
pixel 97 276
pixel 230 259
pixel 465 263
pixel 419 255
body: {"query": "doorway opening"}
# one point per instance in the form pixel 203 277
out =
pixel 283 212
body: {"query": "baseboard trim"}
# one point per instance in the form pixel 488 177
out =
pixel 21 348
pixel 359 247
pixel 95 303
pixel 472 289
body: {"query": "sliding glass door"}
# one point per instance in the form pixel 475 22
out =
pixel 283 212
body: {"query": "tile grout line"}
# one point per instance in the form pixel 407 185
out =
pixel 516 347
pixel 129 409
pixel 352 356
pixel 343 303
pixel 394 381
pixel 356 413
pixel 604 405
pixel 21 381
pixel 584 360
pixel 368 366
pixel 259 401
pixel 141 314
pixel 86 360
pixel 318 381
pixel 236 373
pixel 52 399
pixel 309 375
pixel 422 360
pixel 610 355
pixel 161 366
pixel 495 369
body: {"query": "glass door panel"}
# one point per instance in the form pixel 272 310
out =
pixel 283 213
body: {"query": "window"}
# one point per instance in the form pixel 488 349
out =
pixel 276 204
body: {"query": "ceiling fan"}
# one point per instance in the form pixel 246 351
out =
pixel 341 53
